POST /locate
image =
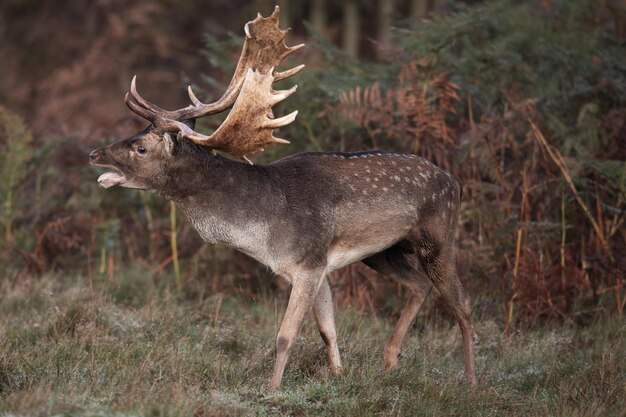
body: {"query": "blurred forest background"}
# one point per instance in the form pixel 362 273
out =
pixel 524 101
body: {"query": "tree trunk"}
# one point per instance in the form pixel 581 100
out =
pixel 318 16
pixel 419 8
pixel 351 28
pixel 438 6
pixel 384 25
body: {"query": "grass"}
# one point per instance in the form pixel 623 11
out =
pixel 74 347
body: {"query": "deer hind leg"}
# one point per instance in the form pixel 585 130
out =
pixel 325 318
pixel 395 264
pixel 436 255
pixel 304 290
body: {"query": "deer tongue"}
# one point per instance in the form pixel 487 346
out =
pixel 109 179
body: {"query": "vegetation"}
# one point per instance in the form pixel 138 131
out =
pixel 86 346
pixel 110 302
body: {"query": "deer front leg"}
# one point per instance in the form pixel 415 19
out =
pixel 303 291
pixel 325 318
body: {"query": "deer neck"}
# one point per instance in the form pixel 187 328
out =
pixel 229 202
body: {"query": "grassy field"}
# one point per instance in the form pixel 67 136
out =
pixel 74 347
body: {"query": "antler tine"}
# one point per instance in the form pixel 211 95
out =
pixel 193 97
pixel 292 49
pixel 140 100
pixel 185 131
pixel 276 14
pixel 145 113
pixel 279 95
pixel 281 121
pixel 288 73
pixel 156 115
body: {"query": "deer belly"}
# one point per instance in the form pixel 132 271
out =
pixel 346 254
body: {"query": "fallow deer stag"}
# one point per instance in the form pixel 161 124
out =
pixel 303 216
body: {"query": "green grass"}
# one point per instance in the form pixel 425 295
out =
pixel 73 347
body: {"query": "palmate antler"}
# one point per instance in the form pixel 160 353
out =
pixel 248 127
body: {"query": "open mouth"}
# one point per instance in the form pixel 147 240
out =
pixel 110 178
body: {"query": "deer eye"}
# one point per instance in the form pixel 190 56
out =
pixel 141 150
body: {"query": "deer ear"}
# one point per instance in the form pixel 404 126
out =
pixel 170 143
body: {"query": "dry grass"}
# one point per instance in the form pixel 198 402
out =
pixel 74 347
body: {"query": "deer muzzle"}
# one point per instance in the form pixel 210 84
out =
pixel 110 178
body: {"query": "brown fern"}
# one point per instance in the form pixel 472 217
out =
pixel 415 110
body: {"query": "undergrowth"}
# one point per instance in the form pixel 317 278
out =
pixel 73 346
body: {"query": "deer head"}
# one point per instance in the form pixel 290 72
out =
pixel 145 160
